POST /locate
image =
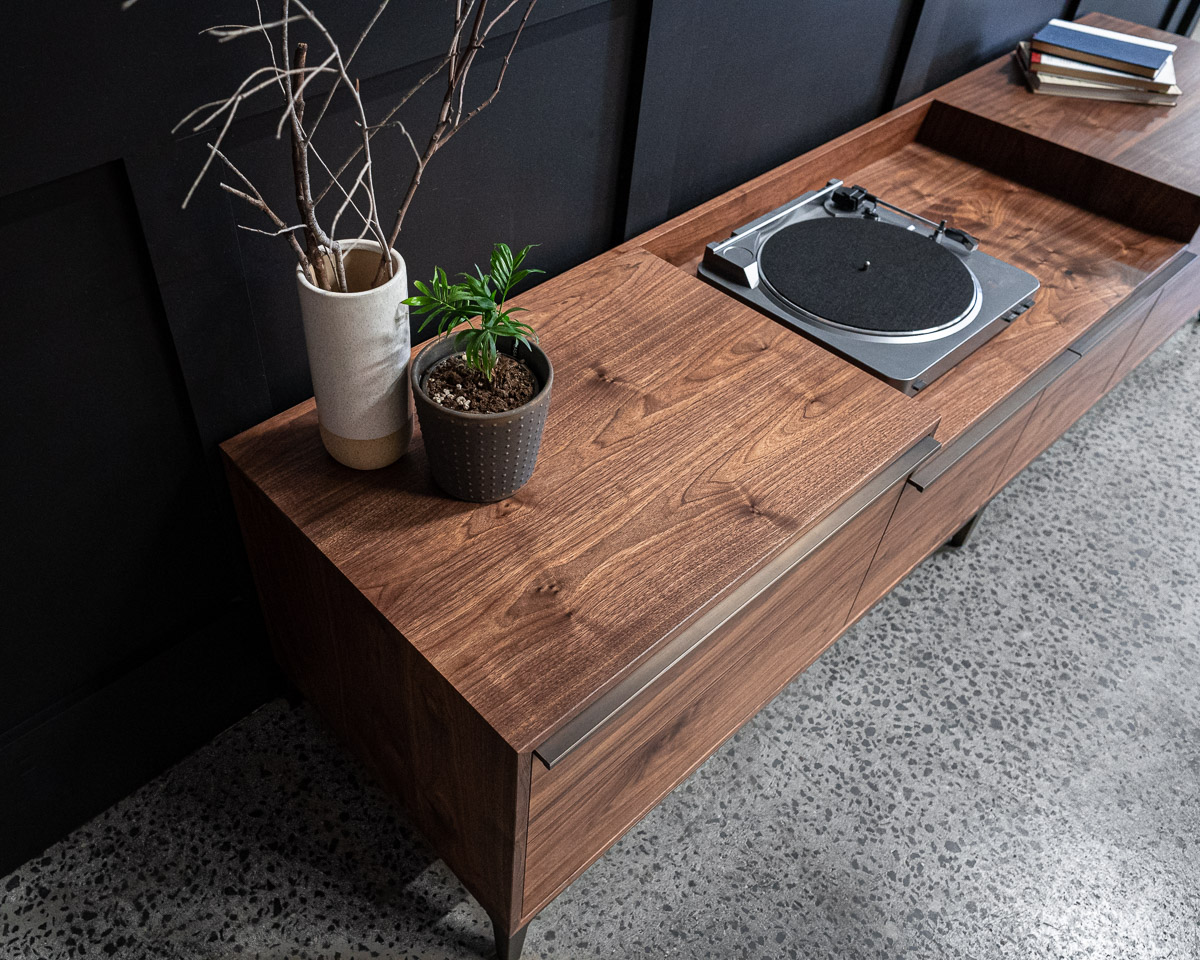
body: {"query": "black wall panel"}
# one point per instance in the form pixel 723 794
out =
pixel 954 36
pixel 111 540
pixel 735 88
pixel 1152 13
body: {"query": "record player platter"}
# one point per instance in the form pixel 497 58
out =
pixel 903 297
pixel 868 275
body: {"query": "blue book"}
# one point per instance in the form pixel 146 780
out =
pixel 1105 48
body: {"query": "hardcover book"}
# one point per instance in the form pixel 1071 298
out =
pixel 1051 85
pixel 1047 63
pixel 1105 48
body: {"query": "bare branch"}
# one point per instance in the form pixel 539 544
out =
pixel 500 16
pixel 314 237
pixel 499 79
pixel 342 209
pixel 371 223
pixel 240 94
pixel 211 154
pixel 231 31
pixel 265 233
pixel 332 90
pixel 258 202
pixel 310 73
pixel 385 257
pixel 384 122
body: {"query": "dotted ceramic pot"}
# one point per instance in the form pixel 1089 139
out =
pixel 481 456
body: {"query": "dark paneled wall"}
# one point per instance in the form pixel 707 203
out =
pixel 954 36
pixel 734 89
pixel 137 336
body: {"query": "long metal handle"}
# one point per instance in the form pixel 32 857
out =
pixel 1109 323
pixel 924 478
pixel 557 746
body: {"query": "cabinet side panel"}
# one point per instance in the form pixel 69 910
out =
pixel 462 785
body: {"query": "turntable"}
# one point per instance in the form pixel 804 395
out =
pixel 900 296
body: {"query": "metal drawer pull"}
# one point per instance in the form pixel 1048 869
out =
pixel 557 746
pixel 926 477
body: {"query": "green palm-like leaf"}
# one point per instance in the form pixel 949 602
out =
pixel 478 302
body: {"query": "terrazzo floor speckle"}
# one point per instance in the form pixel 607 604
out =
pixel 1001 760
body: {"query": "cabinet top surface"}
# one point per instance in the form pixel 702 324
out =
pixel 689 439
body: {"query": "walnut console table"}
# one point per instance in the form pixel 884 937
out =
pixel 717 498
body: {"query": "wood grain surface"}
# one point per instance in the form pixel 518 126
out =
pixel 1179 301
pixel 689 439
pixel 1085 262
pixel 581 806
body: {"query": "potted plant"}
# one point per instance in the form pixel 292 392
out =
pixel 351 291
pixel 482 389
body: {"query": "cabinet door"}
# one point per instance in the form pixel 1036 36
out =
pixel 1074 393
pixel 1179 301
pixel 617 773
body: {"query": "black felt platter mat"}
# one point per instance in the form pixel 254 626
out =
pixel 912 284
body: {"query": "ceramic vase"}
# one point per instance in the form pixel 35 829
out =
pixel 358 348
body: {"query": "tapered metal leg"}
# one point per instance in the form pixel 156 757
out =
pixel 963 534
pixel 508 948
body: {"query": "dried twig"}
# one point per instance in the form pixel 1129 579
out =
pixel 316 239
pixel 451 120
pixel 255 199
pixel 386 122
pixel 321 256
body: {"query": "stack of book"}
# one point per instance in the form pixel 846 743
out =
pixel 1066 59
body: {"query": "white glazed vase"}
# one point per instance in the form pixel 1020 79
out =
pixel 358 348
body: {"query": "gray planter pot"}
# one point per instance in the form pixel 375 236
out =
pixel 481 456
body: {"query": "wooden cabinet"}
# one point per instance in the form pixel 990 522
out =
pixel 952 487
pixel 716 498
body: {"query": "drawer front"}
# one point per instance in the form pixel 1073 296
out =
pixel 584 803
pixel 1075 392
pixel 925 519
pixel 1179 301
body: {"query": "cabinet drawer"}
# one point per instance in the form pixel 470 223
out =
pixel 1075 392
pixel 946 493
pixel 1179 300
pixel 583 803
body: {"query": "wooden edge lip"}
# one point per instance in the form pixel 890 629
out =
pixel 1113 319
pixel 593 717
pixel 991 422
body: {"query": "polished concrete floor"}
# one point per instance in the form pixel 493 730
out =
pixel 1002 760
